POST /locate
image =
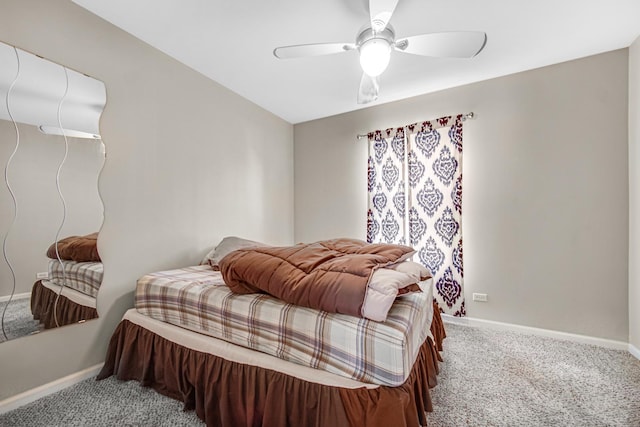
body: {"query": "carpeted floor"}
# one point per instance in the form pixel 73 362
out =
pixel 104 403
pixel 18 320
pixel 489 378
pixel 496 378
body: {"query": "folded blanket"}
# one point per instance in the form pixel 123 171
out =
pixel 331 275
pixel 76 248
pixel 389 282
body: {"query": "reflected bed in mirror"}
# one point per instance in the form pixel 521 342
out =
pixel 52 155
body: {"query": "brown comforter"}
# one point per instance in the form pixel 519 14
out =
pixel 330 275
pixel 76 248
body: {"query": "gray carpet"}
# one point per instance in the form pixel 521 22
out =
pixel 488 378
pixel 18 320
pixel 102 403
pixel 495 378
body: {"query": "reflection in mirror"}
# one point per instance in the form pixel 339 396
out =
pixel 50 209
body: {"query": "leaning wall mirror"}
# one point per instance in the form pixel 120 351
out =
pixel 50 209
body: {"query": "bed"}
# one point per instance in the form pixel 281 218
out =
pixel 68 295
pixel 253 359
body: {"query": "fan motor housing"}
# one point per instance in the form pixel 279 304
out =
pixel 368 33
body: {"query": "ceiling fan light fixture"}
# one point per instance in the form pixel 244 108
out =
pixel 374 56
pixel 376 40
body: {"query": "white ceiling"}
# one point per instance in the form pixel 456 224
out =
pixel 231 41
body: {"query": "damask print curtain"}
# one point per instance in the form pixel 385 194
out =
pixel 430 184
pixel 386 221
pixel 435 205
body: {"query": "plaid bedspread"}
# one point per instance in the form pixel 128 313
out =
pixel 85 277
pixel 196 298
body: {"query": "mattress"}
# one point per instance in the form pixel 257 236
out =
pixel 197 299
pixel 235 353
pixel 84 277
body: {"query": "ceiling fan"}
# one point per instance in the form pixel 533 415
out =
pixel 376 41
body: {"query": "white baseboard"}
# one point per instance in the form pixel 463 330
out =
pixel 634 351
pixel 15 296
pixel 501 326
pixel 29 396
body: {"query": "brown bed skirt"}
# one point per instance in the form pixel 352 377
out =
pixel 68 312
pixel 231 394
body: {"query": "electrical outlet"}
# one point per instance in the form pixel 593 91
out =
pixel 44 275
pixel 480 297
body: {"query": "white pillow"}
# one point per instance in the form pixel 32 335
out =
pixel 226 246
pixel 418 271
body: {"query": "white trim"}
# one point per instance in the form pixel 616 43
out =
pixel 501 326
pixel 34 394
pixel 15 296
pixel 634 351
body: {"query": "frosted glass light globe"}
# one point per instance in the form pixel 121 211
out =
pixel 374 56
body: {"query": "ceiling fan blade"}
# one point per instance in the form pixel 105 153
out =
pixel 369 88
pixel 380 12
pixel 297 51
pixel 455 44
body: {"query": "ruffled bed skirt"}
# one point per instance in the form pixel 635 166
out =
pixel 230 394
pixel 68 312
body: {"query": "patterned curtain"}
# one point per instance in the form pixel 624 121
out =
pixel 386 216
pixel 431 157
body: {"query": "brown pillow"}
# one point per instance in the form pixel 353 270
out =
pixel 76 248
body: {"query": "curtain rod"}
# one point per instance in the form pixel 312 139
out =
pixel 469 116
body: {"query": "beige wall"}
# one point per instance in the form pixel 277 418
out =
pixel 188 162
pixel 545 190
pixel 634 194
